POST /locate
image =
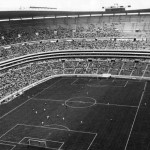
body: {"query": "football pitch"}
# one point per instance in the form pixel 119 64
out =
pixel 76 113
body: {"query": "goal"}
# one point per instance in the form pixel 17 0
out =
pixel 37 143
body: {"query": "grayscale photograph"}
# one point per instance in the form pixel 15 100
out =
pixel 74 75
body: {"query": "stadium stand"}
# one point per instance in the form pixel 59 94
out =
pixel 94 27
pixel 82 44
pixel 23 75
pixel 33 33
pixel 27 37
pixel 75 75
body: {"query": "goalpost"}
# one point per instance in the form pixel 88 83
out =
pixel 41 143
pixel 37 143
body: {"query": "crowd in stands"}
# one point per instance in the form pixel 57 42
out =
pixel 23 75
pixel 92 31
pixel 35 33
pixel 14 79
pixel 61 38
pixel 82 44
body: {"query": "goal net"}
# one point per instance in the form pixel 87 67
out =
pixel 37 143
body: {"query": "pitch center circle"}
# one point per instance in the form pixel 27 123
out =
pixel 80 102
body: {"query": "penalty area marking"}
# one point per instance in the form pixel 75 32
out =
pixel 38 139
pixel 106 104
pixel 55 100
pixel 19 142
pixel 64 127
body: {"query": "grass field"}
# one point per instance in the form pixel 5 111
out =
pixel 78 114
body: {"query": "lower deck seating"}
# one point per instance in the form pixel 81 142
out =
pixel 23 75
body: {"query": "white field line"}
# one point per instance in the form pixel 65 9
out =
pixel 26 145
pixel 82 102
pixel 135 116
pixel 28 100
pixel 74 81
pixel 13 146
pixel 84 132
pixel 126 83
pixel 9 142
pixel 61 146
pixel 145 70
pixel 117 105
pixel 58 125
pixel 8 131
pixel 38 139
pixel 92 141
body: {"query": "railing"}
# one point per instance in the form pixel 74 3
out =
pixel 60 54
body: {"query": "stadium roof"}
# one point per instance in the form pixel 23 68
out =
pixel 41 13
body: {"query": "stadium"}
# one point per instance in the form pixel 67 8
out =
pixel 75 80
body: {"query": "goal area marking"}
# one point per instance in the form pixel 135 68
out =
pixel 56 145
pixel 16 135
